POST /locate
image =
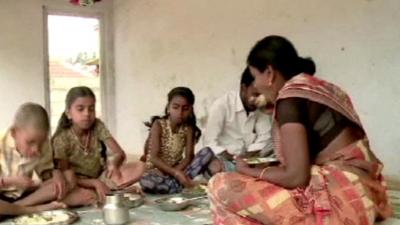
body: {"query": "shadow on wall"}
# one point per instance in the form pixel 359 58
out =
pixel 202 111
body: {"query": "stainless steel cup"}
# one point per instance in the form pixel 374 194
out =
pixel 115 211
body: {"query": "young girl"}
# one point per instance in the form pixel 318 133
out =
pixel 24 157
pixel 170 136
pixel 80 144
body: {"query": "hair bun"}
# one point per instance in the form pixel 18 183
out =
pixel 306 65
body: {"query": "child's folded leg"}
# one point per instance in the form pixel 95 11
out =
pixel 46 207
pixel 130 174
pixel 45 193
pixel 7 208
pixel 80 197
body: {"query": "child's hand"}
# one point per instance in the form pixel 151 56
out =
pixel 101 190
pixel 71 179
pixel 134 189
pixel 60 183
pixel 113 171
pixel 20 181
pixel 182 178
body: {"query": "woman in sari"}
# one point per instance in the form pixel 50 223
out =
pixel 327 172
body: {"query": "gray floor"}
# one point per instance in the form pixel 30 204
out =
pixel 150 214
pixel 198 214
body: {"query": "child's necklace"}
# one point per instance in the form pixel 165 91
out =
pixel 85 147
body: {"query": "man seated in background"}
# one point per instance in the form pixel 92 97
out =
pixel 236 127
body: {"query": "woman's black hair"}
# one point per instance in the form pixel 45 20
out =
pixel 278 52
pixel 189 96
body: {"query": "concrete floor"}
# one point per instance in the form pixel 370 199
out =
pixel 199 214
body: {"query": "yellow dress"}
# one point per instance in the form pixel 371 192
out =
pixel 172 145
pixel 12 163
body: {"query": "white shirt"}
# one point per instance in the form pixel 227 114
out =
pixel 230 128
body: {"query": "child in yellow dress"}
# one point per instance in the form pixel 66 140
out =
pixel 24 157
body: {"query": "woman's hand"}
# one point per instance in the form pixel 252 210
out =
pixel 241 165
pixel 226 155
pixel 101 190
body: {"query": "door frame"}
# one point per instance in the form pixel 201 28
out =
pixel 107 79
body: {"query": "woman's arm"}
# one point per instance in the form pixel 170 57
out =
pixel 296 172
pixel 291 114
pixel 189 150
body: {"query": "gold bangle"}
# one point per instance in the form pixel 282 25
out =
pixel 262 172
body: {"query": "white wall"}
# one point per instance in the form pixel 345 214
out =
pixel 22 50
pixel 203 44
pixel 21 56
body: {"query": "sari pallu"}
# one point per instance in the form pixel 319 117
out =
pixel 346 187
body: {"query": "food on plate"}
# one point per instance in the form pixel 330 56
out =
pixel 47 218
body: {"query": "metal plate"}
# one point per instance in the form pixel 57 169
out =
pixel 53 217
pixel 133 200
pixel 260 160
pixel 197 191
pixel 172 203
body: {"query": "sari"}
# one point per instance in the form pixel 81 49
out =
pixel 346 186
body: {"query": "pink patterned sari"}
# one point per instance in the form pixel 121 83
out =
pixel 346 186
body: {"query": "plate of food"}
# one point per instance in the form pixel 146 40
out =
pixel 133 200
pixel 53 217
pixel 196 191
pixel 260 160
pixel 172 203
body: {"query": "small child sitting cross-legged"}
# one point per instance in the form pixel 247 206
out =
pixel 24 156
